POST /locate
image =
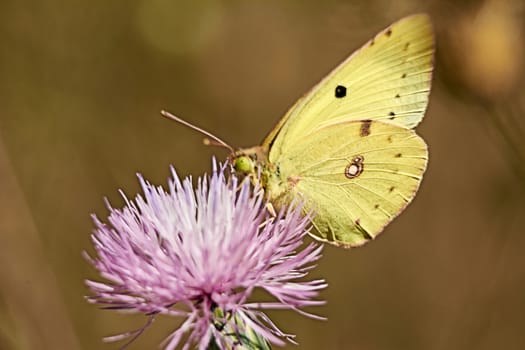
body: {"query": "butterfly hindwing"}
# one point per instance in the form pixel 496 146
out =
pixel 363 176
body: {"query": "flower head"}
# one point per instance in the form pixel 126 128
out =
pixel 199 254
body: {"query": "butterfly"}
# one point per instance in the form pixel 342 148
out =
pixel 347 148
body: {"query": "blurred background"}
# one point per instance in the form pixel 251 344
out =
pixel 81 87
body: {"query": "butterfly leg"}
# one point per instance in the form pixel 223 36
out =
pixel 271 209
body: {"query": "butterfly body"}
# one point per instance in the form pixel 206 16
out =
pixel 347 148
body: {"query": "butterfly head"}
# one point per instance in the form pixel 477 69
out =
pixel 243 164
pixel 248 160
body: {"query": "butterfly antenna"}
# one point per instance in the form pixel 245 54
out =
pixel 211 139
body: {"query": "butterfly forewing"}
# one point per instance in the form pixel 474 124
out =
pixel 388 79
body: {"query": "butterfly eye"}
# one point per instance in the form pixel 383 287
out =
pixel 243 164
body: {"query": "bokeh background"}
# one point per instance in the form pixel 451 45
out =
pixel 81 87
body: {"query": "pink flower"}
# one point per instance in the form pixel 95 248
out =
pixel 199 254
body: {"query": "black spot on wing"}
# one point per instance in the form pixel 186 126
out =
pixel 340 91
pixel 404 75
pixel 388 32
pixel 365 128
pixel 398 155
pixel 392 115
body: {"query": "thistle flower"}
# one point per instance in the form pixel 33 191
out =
pixel 199 254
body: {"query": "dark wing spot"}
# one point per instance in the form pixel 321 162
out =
pixel 376 206
pixel 397 96
pixel 389 138
pixel 355 168
pixel 365 128
pixel 404 75
pixel 406 46
pixel 388 32
pixel 340 91
pixel 398 155
pixel 391 189
pixel 392 115
pixel 372 42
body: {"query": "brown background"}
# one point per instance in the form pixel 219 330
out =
pixel 81 86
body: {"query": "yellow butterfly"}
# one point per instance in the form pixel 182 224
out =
pixel 347 147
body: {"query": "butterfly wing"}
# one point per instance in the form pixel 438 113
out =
pixel 388 79
pixel 347 147
pixel 356 177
